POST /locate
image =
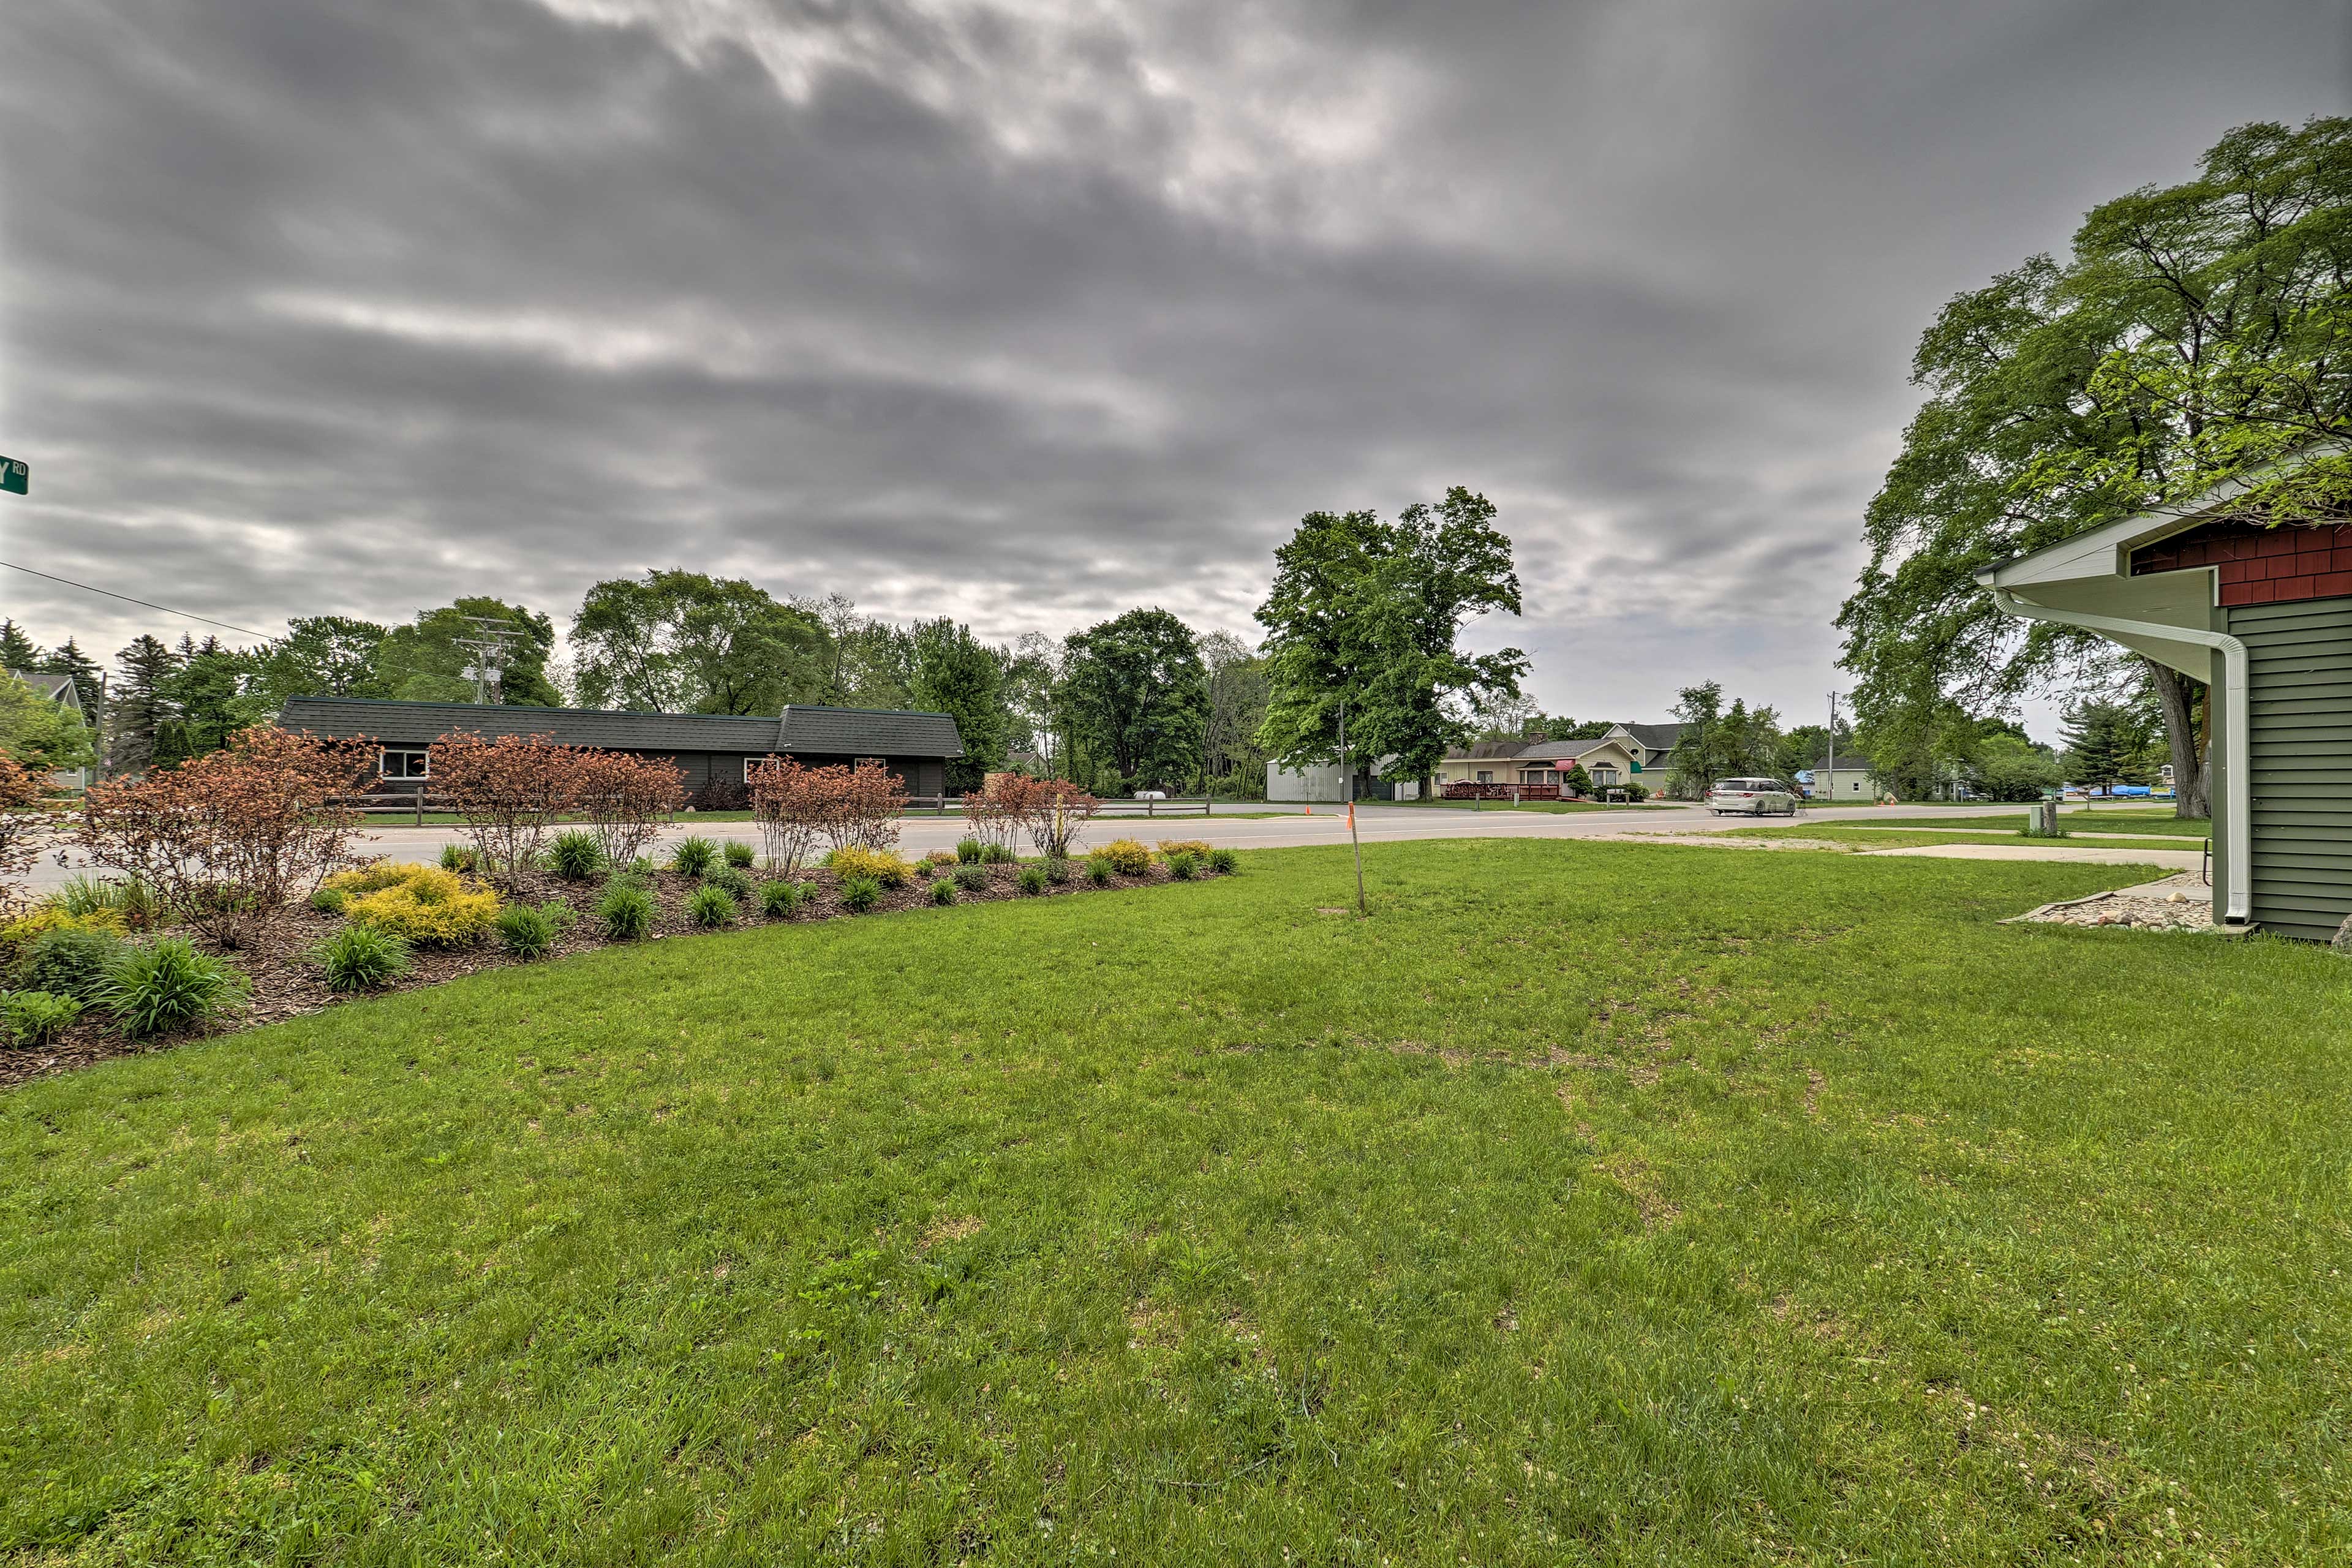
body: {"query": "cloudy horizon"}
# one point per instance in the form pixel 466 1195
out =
pixel 1027 315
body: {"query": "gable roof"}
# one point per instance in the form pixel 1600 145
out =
pixel 1655 737
pixel 809 732
pixel 49 683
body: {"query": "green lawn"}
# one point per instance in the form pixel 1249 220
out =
pixel 1905 836
pixel 2089 820
pixel 1589 1204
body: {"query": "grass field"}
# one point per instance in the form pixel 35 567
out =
pixel 1588 1203
pixel 1906 836
pixel 2087 820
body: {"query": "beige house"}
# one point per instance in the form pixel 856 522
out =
pixel 1608 761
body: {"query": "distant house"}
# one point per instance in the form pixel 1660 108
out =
pixel 61 691
pixel 1850 779
pixel 716 751
pixel 1538 765
pixel 1649 744
pixel 1322 783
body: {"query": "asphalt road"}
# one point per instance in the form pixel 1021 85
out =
pixel 1376 824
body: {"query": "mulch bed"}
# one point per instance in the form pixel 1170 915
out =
pixel 286 985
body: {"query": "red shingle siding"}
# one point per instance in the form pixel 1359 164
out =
pixel 2260 565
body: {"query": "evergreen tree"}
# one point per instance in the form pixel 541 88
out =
pixel 18 651
pixel 206 702
pixel 958 675
pixel 2107 743
pixel 66 658
pixel 136 712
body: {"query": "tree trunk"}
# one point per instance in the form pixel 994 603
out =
pixel 1429 786
pixel 2174 693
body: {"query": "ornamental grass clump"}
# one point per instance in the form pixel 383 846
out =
pixel 740 855
pixel 1225 862
pixel 328 900
pixel 882 865
pixel 971 878
pixel 1098 871
pixel 1183 865
pixel 782 897
pixel 859 894
pixel 527 930
pixel 1058 871
pixel 1126 857
pixel 711 906
pixel 460 858
pixel 943 891
pixel 1032 880
pixel 735 880
pixel 969 850
pixel 693 856
pixel 627 910
pixel 575 856
pixel 997 855
pixel 424 904
pixel 69 961
pixel 29 1019
pixel 169 989
pixel 361 958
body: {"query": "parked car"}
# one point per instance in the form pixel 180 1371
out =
pixel 1757 797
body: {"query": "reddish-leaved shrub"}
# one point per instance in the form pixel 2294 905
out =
pixel 24 823
pixel 509 790
pixel 1051 811
pixel 227 839
pixel 624 797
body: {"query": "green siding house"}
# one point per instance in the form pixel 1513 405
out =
pixel 2264 615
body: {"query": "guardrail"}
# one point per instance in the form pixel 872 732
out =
pixel 1174 806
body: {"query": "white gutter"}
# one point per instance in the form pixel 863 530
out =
pixel 2238 893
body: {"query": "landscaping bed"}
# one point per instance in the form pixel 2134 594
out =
pixel 287 982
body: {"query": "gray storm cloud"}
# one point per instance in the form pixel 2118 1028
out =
pixel 1027 314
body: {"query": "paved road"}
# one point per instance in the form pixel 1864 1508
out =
pixel 1377 823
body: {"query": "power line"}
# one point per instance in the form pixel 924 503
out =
pixel 127 599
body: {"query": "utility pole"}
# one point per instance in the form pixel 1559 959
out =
pixel 1348 789
pixel 1833 784
pixel 493 640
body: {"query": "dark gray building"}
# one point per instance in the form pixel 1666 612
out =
pixel 714 751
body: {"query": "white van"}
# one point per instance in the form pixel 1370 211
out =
pixel 1756 797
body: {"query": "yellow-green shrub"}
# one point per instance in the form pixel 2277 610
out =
pixel 1196 847
pixel 1124 856
pixel 882 865
pixel 18 933
pixel 430 907
pixel 371 879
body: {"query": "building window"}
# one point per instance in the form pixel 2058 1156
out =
pixel 394 765
pixel 1604 776
pixel 1485 776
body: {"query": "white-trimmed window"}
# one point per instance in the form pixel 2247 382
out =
pixel 1604 776
pixel 1485 776
pixel 402 764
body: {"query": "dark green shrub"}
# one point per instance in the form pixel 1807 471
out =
pixel 1032 880
pixel 328 900
pixel 693 855
pixel 361 958
pixel 997 855
pixel 943 891
pixel 711 906
pixel 30 1019
pixel 782 897
pixel 169 988
pixel 527 932
pixel 627 910
pixel 969 850
pixel 1058 871
pixel 859 894
pixel 575 856
pixel 1183 865
pixel 971 878
pixel 1225 862
pixel 739 853
pixel 69 962
pixel 460 858
pixel 736 880
pixel 1098 871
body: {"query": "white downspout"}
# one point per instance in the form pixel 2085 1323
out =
pixel 2237 750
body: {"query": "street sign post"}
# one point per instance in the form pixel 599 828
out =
pixel 14 478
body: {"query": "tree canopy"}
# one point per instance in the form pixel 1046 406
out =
pixel 424 661
pixel 2195 333
pixel 1370 614
pixel 957 674
pixel 1139 695
pixel 43 735
pixel 1720 742
pixel 683 642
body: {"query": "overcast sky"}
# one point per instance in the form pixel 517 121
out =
pixel 1031 313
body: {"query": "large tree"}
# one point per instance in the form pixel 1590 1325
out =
pixel 1720 742
pixel 1139 695
pixel 135 715
pixel 44 736
pixel 1370 614
pixel 18 651
pixel 426 661
pixel 89 682
pixel 321 656
pixel 1237 699
pixel 2195 333
pixel 685 642
pixel 203 700
pixel 958 675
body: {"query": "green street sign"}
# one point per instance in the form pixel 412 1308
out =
pixel 15 476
